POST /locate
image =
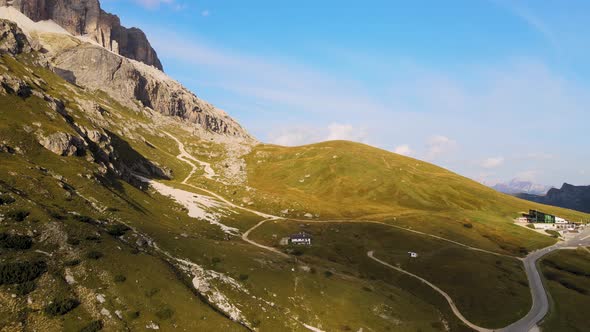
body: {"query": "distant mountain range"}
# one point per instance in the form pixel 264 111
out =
pixel 516 186
pixel 569 196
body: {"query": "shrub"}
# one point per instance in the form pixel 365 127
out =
pixel 60 307
pixel 93 326
pixel 73 262
pixel 133 315
pixel 19 272
pixel 25 288
pixel 73 241
pixel 297 252
pixel 94 254
pixel 120 278
pixel 5 200
pixel 94 238
pixel 20 242
pixel 468 225
pixel 84 219
pixel 117 230
pixel 328 274
pixel 367 289
pixel 244 277
pixel 57 215
pixel 17 215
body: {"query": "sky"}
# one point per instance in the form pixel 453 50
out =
pixel 491 89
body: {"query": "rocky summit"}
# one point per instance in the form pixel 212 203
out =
pixel 86 18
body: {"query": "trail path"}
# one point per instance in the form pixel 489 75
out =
pixel 529 322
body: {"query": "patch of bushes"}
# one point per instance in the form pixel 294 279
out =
pixel 120 278
pixel 94 255
pixel 243 277
pixel 93 326
pixel 60 307
pixel 118 230
pixel 468 225
pixel 84 219
pixel 19 242
pixel 73 262
pixel 73 241
pixel 297 252
pixel 328 274
pixel 25 288
pixel 6 200
pixel 93 238
pixel 133 315
pixel 19 272
pixel 57 215
pixel 17 215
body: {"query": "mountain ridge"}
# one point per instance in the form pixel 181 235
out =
pixel 568 196
pixel 87 18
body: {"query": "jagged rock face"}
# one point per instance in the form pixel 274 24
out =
pixel 63 144
pixel 85 17
pixel 12 40
pixel 128 81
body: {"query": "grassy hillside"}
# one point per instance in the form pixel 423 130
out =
pixel 100 252
pixel 346 180
pixel 567 274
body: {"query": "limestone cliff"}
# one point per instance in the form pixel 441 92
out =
pixel 85 17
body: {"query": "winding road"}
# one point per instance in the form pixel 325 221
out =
pixel 540 306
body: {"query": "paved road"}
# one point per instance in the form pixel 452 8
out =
pixel 540 305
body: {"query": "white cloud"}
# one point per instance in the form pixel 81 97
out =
pixel 293 136
pixel 438 146
pixel 338 131
pixel 404 150
pixel 492 162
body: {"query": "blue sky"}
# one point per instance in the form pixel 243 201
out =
pixel 491 89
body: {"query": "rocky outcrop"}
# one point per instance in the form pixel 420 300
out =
pixel 85 17
pixel 129 81
pixel 63 144
pixel 12 39
pixel 569 196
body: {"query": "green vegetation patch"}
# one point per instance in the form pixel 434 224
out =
pixel 94 326
pixel 61 306
pixel 19 242
pixel 567 274
pixel 6 200
pixel 19 272
pixel 17 215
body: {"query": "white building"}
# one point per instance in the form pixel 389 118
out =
pixel 300 238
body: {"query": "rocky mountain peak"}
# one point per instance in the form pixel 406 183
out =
pixel 86 18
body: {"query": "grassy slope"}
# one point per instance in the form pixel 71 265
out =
pixel 466 275
pixel 355 181
pixel 152 285
pixel 568 277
